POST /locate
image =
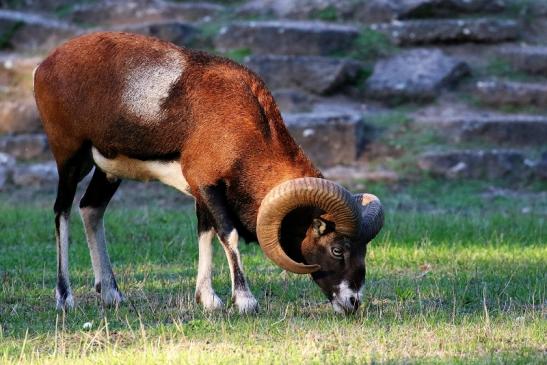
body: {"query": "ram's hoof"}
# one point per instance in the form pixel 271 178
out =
pixel 64 302
pixel 246 303
pixel 111 297
pixel 209 300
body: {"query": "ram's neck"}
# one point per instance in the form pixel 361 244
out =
pixel 247 190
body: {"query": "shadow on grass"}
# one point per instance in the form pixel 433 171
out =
pixel 160 294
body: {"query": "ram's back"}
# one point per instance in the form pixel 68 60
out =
pixel 139 96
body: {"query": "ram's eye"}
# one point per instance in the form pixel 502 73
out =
pixel 337 251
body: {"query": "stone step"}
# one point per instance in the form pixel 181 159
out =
pixel 387 10
pixel 7 163
pixel 329 138
pixel 435 31
pixel 30 32
pixel 532 59
pixel 177 32
pixel 315 74
pixel 19 116
pixel 504 93
pixel 16 75
pixel 369 11
pixel 131 12
pixel 483 164
pixel 293 100
pixel 516 130
pixel 350 174
pixel 35 175
pixel 26 175
pixel 287 37
pixel 302 9
pixel 26 146
pixel 414 75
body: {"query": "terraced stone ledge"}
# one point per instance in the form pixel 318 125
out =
pixel 329 138
pixel 531 59
pixel 503 93
pixel 481 164
pixel 287 37
pixel 315 74
pixel 515 130
pixel 27 31
pixel 433 31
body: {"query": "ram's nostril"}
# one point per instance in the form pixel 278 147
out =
pixel 352 300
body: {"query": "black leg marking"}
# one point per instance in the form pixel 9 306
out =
pixel 92 208
pixel 70 175
pixel 100 190
pixel 214 202
pixel 214 199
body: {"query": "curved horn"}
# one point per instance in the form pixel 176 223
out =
pixel 301 192
pixel 372 213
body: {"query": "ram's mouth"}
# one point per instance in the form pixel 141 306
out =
pixel 345 306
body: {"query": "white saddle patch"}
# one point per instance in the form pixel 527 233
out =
pixel 148 84
pixel 123 167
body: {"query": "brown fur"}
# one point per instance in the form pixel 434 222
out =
pixel 219 118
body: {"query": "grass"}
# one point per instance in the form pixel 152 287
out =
pixel 453 278
pixel 238 54
pixel 7 35
pixel 399 138
pixel 371 44
pixel 327 14
pixel 503 69
pixel 524 9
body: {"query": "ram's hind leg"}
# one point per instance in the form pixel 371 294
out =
pixel 205 294
pixel 92 208
pixel 71 171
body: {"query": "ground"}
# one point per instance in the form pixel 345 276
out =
pixel 456 276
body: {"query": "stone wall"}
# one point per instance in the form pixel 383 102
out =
pixel 471 73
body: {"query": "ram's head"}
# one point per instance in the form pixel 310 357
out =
pixel 314 226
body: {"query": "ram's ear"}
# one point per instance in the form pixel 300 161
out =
pixel 319 227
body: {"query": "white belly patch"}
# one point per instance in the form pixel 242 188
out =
pixel 123 167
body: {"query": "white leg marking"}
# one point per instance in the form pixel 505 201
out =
pixel 102 268
pixel 242 296
pixel 205 293
pixel 62 264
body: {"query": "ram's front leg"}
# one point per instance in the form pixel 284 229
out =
pixel 241 295
pixel 214 199
pixel 205 294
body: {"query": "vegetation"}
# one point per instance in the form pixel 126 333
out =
pixel 238 54
pixel 7 35
pixel 371 44
pixel 497 67
pixel 396 136
pixel 327 14
pixel 456 276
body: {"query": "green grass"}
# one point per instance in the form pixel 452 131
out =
pixel 7 35
pixel 454 277
pixel 371 44
pixel 503 69
pixel 401 139
pixel 523 9
pixel 327 14
pixel 238 54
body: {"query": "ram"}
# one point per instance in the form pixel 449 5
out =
pixel 141 108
